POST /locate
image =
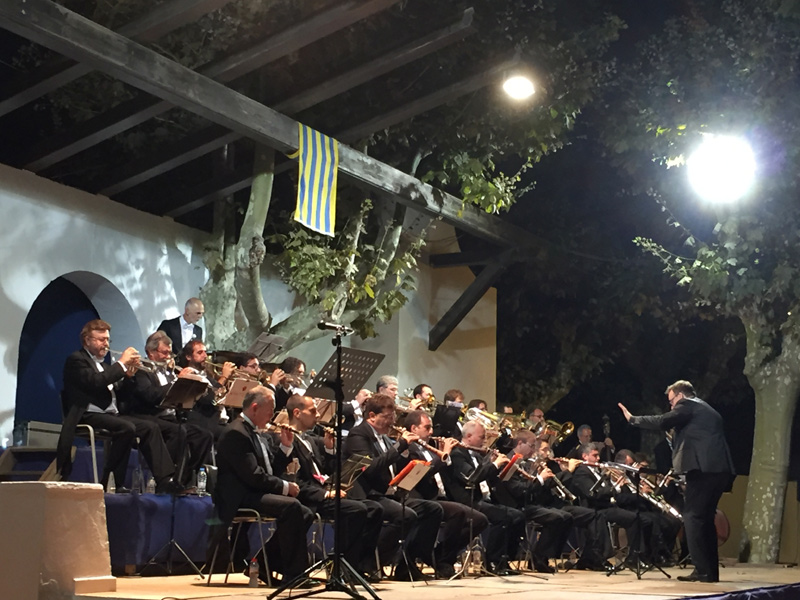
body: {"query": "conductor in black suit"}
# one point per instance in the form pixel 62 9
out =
pixel 701 453
pixel 90 396
pixel 184 329
pixel 248 478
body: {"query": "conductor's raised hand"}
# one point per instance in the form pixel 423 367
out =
pixel 625 412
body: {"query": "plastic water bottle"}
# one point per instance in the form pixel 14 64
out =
pixel 151 485
pixel 252 571
pixel 111 486
pixel 138 481
pixel 202 481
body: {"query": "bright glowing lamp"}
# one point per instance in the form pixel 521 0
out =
pixel 518 87
pixel 722 169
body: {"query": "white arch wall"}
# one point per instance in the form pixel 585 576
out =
pixel 52 230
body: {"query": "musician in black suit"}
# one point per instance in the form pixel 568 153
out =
pixel 422 517
pixel 584 433
pixel 700 451
pixel 594 488
pixel 353 411
pixel 479 472
pixel 206 412
pixel 184 329
pixel 360 521
pixel 247 477
pixel 90 396
pixel 460 522
pixel 145 395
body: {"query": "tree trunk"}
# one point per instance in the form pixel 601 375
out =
pixel 250 250
pixel 776 384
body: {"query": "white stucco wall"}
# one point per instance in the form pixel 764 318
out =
pixel 54 231
pixel 51 230
pixel 467 358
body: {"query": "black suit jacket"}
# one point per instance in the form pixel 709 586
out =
pixel 427 489
pixel 242 470
pixel 463 469
pixel 374 481
pixel 699 442
pixel 312 491
pixel 172 327
pixel 144 394
pixel 83 385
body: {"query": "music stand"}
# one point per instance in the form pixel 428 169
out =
pixel 329 383
pixel 406 480
pixel 639 567
pixel 267 346
pixel 182 395
pixel 237 391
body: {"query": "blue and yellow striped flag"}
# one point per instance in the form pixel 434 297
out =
pixel 316 190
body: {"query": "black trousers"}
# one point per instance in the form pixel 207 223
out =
pixel 419 526
pixel 286 550
pixel 360 523
pixel 598 544
pixel 554 527
pixel 506 528
pixel 703 491
pixel 638 526
pixel 455 532
pixel 192 441
pixel 124 430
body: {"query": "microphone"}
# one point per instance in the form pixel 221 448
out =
pixel 340 329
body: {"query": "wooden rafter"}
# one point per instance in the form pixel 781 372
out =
pixel 209 191
pixel 59 29
pixel 137 111
pixel 474 292
pixel 212 138
pixel 61 71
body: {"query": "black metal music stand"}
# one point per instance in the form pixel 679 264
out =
pixel 181 396
pixel 358 365
pixel 639 567
pixel 406 485
pixel 475 544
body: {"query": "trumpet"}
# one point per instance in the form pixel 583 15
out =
pixel 215 367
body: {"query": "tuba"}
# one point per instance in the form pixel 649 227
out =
pixel 552 431
pixel 487 419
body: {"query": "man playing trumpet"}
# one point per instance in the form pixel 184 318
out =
pixel 90 396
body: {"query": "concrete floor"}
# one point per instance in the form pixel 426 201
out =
pixel 561 586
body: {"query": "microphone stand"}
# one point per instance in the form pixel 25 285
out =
pixel 336 566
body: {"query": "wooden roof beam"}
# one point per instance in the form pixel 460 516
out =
pixel 59 29
pixel 207 192
pixel 474 292
pixel 137 111
pixel 202 142
pixel 61 71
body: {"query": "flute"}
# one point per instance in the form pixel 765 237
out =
pixel 275 426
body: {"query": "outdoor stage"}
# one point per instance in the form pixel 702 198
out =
pixel 561 586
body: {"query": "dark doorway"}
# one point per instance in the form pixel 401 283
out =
pixel 49 335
